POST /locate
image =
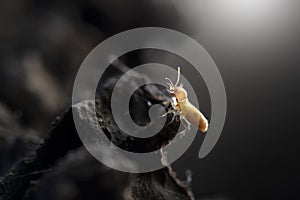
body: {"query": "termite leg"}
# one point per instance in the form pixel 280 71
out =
pixel 173 117
pixel 173 112
pixel 173 104
pixel 186 124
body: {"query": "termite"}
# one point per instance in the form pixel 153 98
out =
pixel 188 113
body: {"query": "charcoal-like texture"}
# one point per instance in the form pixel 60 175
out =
pixel 62 138
pixel 54 171
pixel 62 169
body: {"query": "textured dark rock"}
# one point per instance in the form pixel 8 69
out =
pixel 61 168
pixel 139 107
pixel 15 141
pixel 61 140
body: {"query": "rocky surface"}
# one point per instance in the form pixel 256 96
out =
pixel 61 168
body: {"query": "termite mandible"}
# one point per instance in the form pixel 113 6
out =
pixel 181 105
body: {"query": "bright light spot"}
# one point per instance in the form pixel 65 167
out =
pixel 245 12
pixel 245 19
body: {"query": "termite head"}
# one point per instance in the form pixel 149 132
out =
pixel 177 91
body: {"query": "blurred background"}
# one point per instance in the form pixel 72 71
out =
pixel 255 44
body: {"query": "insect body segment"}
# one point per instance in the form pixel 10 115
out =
pixel 187 112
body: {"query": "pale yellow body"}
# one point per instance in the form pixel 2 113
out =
pixel 192 115
pixel 186 110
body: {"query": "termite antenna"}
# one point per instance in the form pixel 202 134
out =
pixel 170 83
pixel 178 76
